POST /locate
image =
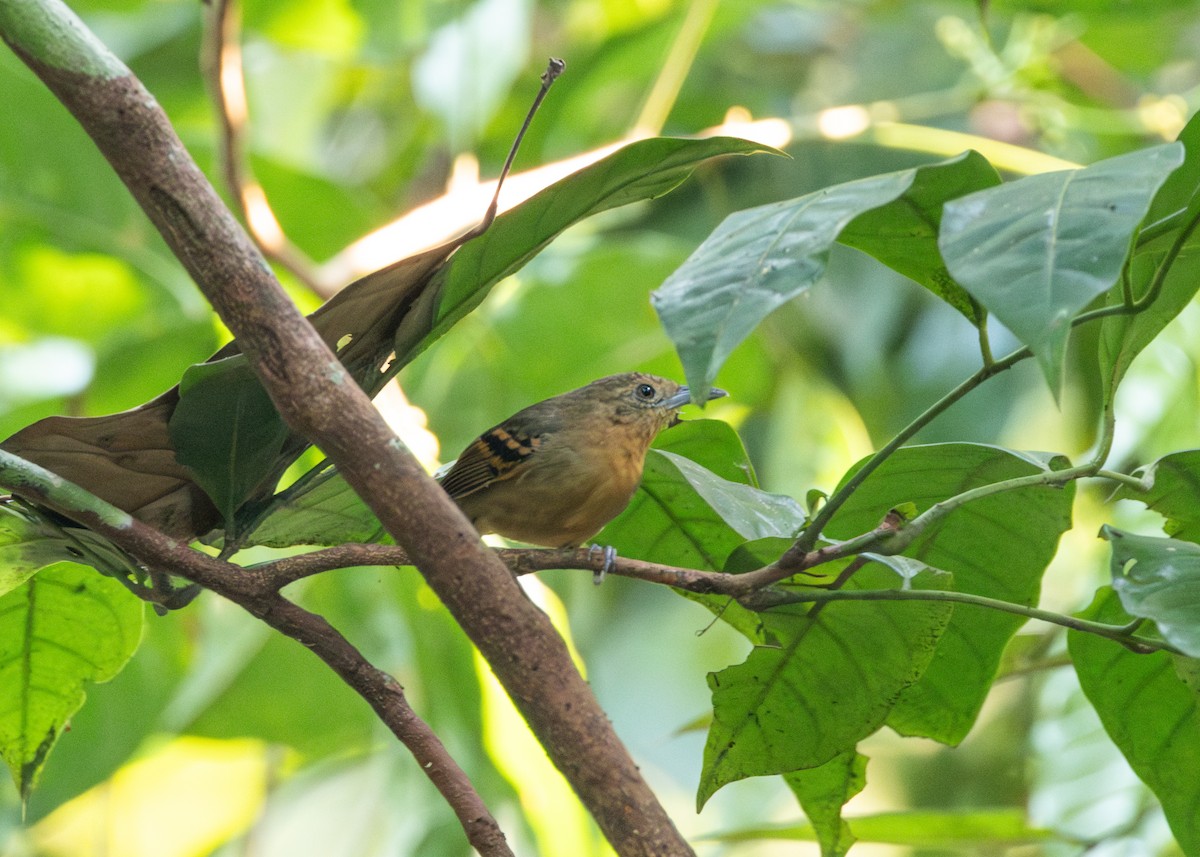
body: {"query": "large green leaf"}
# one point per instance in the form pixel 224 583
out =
pixel 1159 579
pixel 1150 707
pixel 997 546
pixel 829 682
pixel 823 791
pixel 1165 259
pixel 903 234
pixel 1037 250
pixel 28 543
pixel 755 261
pixel 59 630
pixel 1174 492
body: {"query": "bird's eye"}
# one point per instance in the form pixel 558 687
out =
pixel 645 391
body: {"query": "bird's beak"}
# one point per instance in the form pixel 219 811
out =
pixel 685 395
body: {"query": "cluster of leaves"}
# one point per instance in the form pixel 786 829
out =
pixel 1108 245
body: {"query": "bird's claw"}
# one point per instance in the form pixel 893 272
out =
pixel 610 560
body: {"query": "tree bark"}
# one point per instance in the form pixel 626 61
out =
pixel 317 398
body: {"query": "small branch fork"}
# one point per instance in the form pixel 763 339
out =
pixel 255 592
pixel 754 590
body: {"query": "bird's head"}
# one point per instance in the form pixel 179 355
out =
pixel 644 399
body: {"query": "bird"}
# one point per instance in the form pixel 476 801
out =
pixel 556 472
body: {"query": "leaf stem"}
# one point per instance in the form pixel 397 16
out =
pixel 813 531
pixel 1119 633
pixel 1164 266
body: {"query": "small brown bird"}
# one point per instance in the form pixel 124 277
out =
pixel 555 473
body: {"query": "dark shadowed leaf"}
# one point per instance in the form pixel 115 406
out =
pixel 226 431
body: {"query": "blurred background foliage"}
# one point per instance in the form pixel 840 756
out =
pixel 218 738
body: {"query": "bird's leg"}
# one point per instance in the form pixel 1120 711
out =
pixel 610 560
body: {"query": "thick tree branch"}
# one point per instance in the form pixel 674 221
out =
pixel 253 591
pixel 318 399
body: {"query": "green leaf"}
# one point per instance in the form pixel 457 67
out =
pixel 1151 713
pixel 28 543
pixel 63 628
pixel 1165 259
pixel 822 793
pixel 755 261
pixel 978 828
pixel 714 445
pixel 829 683
pixel 225 427
pixel 1037 250
pixel 997 546
pixel 643 170
pixel 1174 492
pixel 1159 579
pixel 684 514
pixel 323 511
pixel 226 430
pixel 669 519
pixel 903 234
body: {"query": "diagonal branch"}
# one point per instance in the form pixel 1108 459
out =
pixel 318 399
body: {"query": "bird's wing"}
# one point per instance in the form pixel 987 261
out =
pixel 496 454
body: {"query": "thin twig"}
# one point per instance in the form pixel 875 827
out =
pixel 1116 633
pixel 222 62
